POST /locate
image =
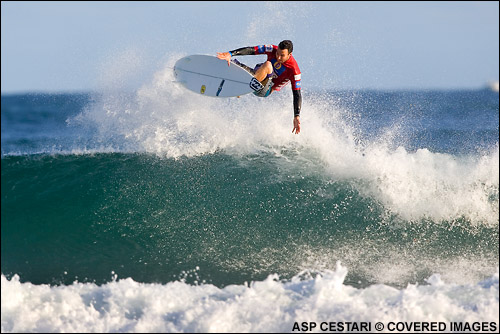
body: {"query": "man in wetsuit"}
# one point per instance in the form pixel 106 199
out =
pixel 279 69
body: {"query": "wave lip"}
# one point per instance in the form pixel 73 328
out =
pixel 441 187
pixel 269 305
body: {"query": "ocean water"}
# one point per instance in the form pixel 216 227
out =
pixel 163 211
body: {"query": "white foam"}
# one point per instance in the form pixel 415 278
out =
pixel 435 186
pixel 270 305
pixel 413 185
pixel 423 184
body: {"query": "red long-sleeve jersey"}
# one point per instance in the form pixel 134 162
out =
pixel 283 73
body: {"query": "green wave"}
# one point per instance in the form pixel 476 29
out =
pixel 215 218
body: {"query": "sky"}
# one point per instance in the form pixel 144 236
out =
pixel 89 46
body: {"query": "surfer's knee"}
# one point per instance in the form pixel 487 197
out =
pixel 264 70
pixel 269 67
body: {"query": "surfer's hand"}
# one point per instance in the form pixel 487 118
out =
pixel 296 125
pixel 225 56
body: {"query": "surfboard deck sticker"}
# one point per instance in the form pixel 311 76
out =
pixel 210 76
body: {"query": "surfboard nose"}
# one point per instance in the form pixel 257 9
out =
pixel 210 76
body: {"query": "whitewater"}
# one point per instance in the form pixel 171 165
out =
pixel 265 306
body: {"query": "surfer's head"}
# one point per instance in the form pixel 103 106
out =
pixel 284 51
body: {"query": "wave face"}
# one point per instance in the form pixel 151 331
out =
pixel 110 198
pixel 237 218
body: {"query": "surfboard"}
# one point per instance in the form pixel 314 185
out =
pixel 210 76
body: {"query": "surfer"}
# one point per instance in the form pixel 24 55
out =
pixel 279 69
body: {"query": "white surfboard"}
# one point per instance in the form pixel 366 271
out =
pixel 210 76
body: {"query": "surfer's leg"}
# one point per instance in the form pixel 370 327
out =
pixel 267 89
pixel 263 71
pixel 245 67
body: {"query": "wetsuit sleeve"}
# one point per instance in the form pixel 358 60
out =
pixel 297 102
pixel 246 51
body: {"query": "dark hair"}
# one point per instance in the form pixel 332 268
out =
pixel 286 44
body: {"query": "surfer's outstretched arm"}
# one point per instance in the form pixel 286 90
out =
pixel 245 51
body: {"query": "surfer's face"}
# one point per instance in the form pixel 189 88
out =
pixel 282 55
